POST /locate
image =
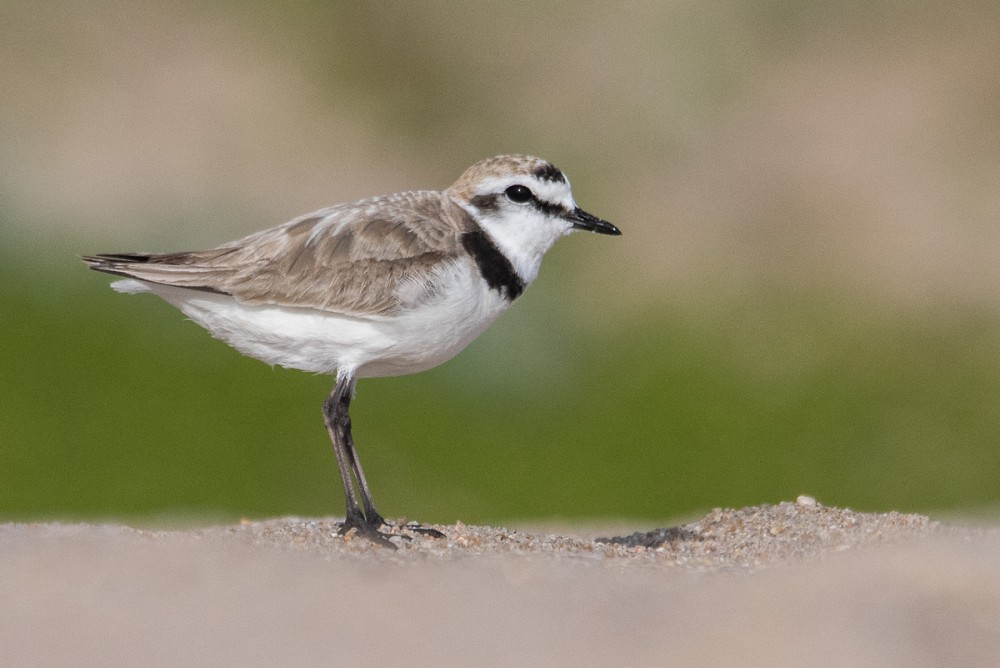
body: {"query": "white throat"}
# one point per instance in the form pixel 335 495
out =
pixel 524 237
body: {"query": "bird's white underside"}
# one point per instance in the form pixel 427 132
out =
pixel 361 346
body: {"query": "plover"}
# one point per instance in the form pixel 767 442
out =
pixel 384 286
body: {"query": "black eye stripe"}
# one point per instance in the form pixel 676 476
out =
pixel 493 201
pixel 548 208
pixel 490 202
pixel 520 194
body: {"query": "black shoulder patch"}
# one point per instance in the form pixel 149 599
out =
pixel 496 269
pixel 549 172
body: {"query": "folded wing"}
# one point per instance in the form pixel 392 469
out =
pixel 350 259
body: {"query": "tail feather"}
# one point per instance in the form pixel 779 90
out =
pixel 115 263
pixel 152 268
pixel 136 258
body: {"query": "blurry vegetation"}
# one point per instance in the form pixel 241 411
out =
pixel 114 406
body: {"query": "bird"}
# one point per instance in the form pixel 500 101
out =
pixel 384 286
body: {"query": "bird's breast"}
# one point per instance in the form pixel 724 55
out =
pixel 423 335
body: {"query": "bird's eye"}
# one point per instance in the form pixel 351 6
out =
pixel 518 194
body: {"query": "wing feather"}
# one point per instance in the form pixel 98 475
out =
pixel 350 259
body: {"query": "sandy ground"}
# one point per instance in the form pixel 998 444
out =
pixel 796 584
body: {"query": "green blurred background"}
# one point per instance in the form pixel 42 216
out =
pixel 805 298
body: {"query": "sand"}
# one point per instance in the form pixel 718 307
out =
pixel 793 584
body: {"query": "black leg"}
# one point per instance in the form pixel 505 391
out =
pixel 338 424
pixel 372 515
pixel 336 413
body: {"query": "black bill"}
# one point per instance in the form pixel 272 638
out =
pixel 584 221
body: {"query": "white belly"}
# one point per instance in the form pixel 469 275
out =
pixel 320 342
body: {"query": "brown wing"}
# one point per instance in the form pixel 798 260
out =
pixel 346 259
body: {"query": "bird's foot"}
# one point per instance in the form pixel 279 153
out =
pixel 369 531
pixel 421 529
